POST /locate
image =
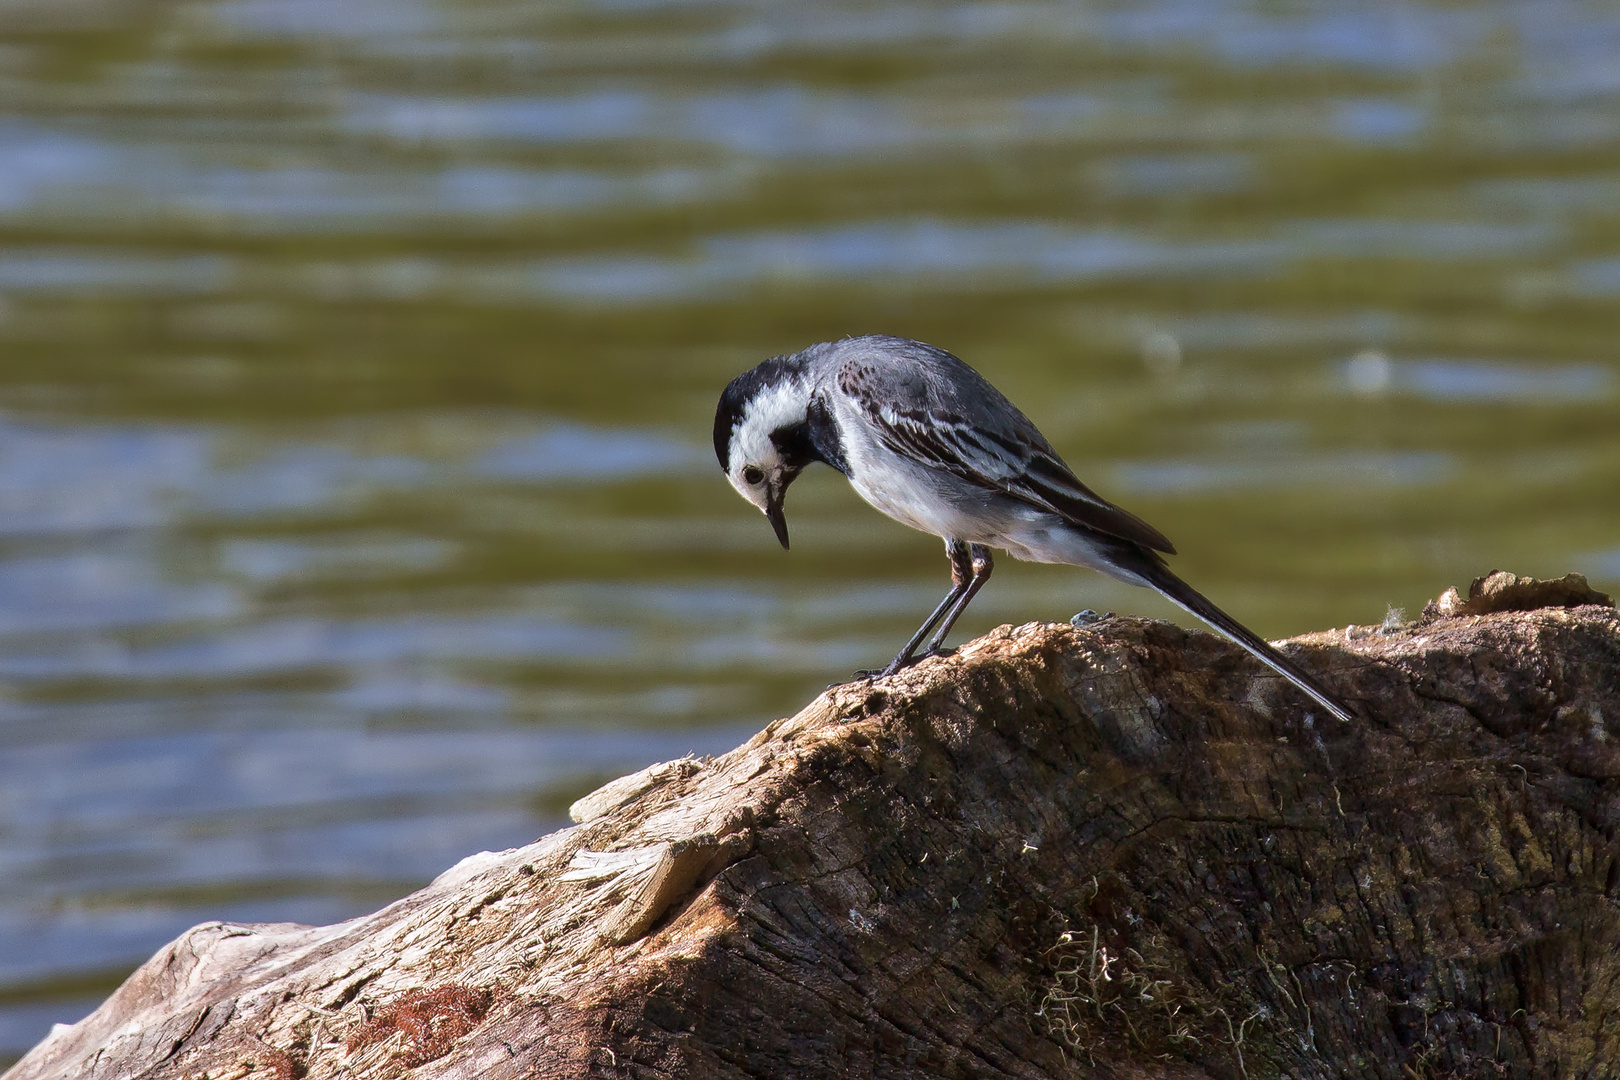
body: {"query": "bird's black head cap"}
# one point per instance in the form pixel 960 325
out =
pixel 743 389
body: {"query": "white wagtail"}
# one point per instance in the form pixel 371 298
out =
pixel 925 439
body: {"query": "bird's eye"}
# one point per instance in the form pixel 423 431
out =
pixel 752 476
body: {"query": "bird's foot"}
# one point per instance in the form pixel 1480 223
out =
pixel 1089 617
pixel 866 675
pixel 862 675
pixel 900 663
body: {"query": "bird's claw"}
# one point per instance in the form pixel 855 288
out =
pixel 899 664
pixel 1089 617
pixel 863 675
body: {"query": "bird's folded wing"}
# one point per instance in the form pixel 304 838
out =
pixel 1008 462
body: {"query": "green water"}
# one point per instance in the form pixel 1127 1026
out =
pixel 358 360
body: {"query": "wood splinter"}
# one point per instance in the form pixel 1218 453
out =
pixel 679 870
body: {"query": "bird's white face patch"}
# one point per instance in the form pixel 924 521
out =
pixel 755 460
pixel 750 473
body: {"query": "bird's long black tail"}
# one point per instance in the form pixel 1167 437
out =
pixel 1157 575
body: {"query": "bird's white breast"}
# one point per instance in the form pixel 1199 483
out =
pixel 925 498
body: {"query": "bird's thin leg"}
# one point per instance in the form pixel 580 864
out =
pixel 982 565
pixel 961 581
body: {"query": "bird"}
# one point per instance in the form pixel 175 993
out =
pixel 926 440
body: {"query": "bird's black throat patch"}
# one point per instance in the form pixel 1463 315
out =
pixel 813 439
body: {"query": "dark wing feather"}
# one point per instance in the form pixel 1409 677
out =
pixel 1015 463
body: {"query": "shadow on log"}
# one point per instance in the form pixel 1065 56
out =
pixel 1121 850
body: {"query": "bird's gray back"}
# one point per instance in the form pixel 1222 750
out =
pixel 923 381
pixel 922 403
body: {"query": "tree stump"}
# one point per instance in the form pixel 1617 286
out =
pixel 1115 850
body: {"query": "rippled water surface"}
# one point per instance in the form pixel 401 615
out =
pixel 358 360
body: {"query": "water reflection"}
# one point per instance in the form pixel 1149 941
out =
pixel 1464 381
pixel 567 451
pixel 356 503
pixel 1366 469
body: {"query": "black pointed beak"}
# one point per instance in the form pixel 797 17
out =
pixel 773 511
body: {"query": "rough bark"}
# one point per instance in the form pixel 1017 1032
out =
pixel 1115 850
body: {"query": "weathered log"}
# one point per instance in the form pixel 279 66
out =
pixel 1120 849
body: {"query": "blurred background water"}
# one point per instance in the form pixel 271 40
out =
pixel 358 361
